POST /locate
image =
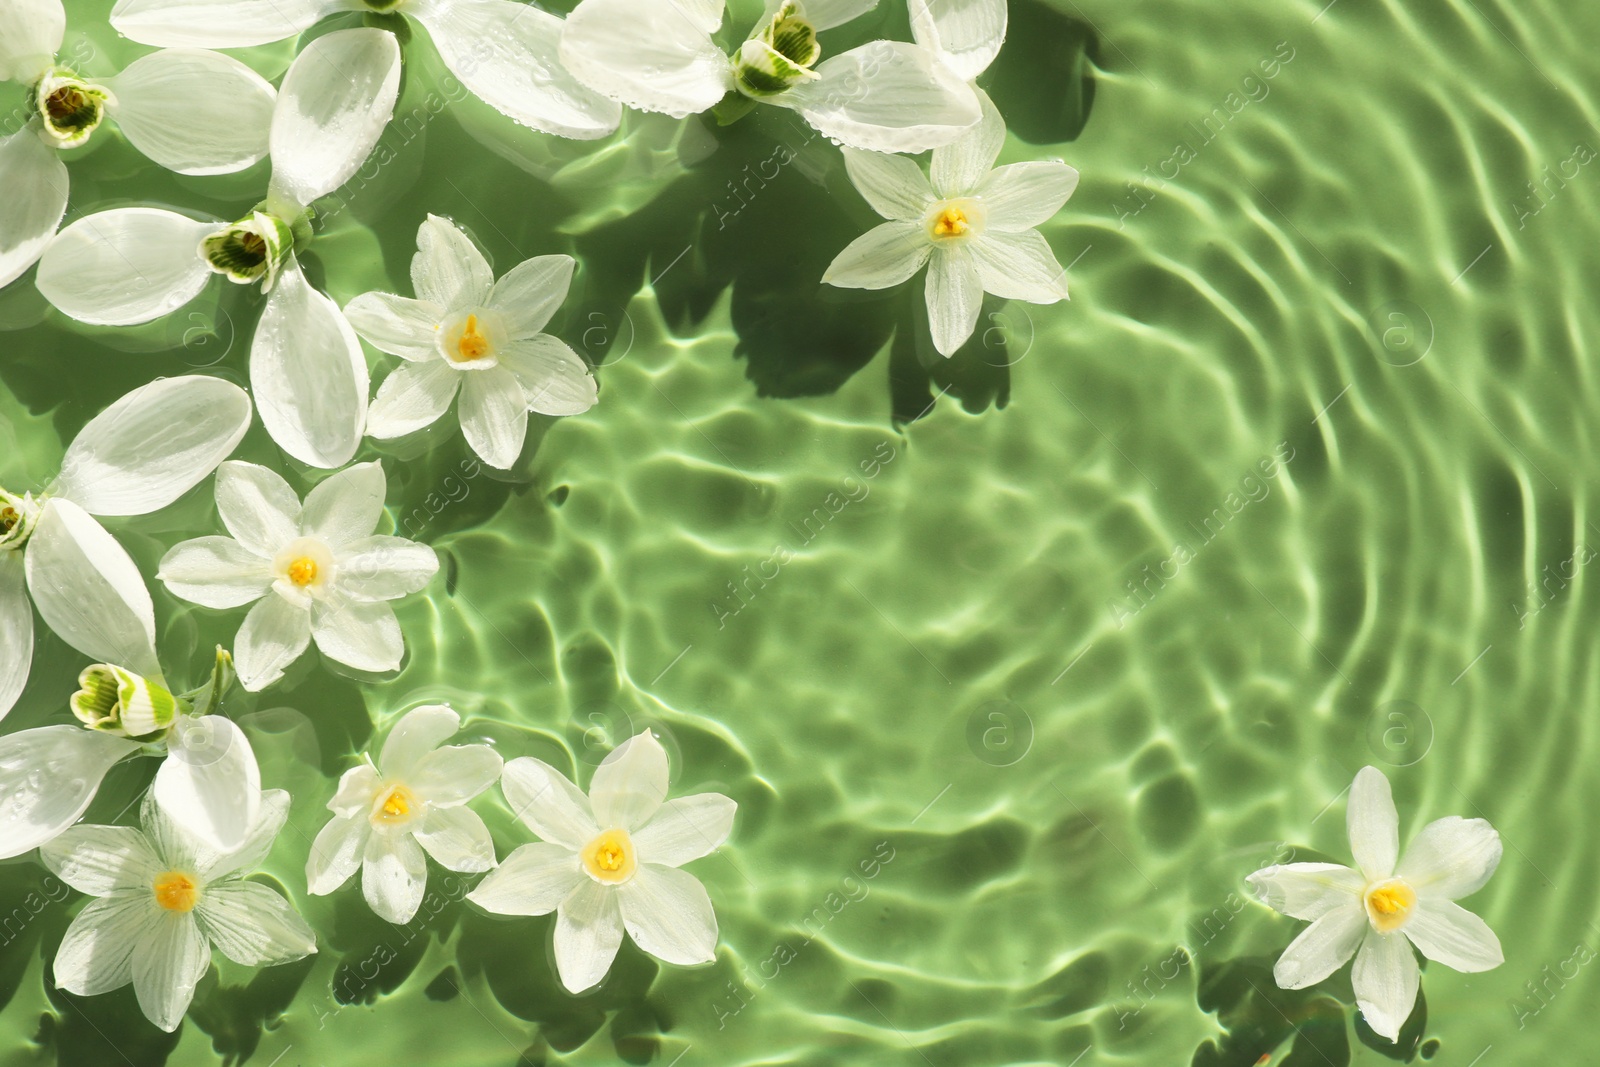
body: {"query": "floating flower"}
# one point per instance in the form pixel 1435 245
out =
pixel 191 111
pixel 139 455
pixel 317 572
pixel 504 53
pixel 973 227
pixel 413 801
pixel 660 55
pixel 132 265
pixel 163 900
pixel 470 333
pixel 609 862
pixel 1378 911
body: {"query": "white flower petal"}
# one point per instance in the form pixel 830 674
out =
pixel 274 635
pixel 30 36
pixel 649 55
pixel 887 96
pixel 96 955
pixel 360 634
pixel 397 325
pixel 153 445
pixel 1449 934
pixel 99 860
pixel 1018 266
pixel 125 266
pixel 336 98
pixel 1385 978
pixel 455 774
pixel 960 167
pixel 685 829
pixel 257 506
pixel 449 270
pixel 883 256
pixel 1451 858
pixel 531 292
pixel 548 803
pixel 588 933
pixel 336 853
pixel 193 111
pixel 954 296
pixel 89 591
pixel 210 785
pixel 1373 824
pixel 1322 948
pixel 307 372
pixel 385 568
pixel 347 506
pixel 418 733
pixel 48 776
pixel 826 14
pixel 271 814
pixel 668 914
pixel 457 839
pixel 555 380
pixel 252 925
pixel 1025 195
pixel 358 787
pixel 533 880
pixel 394 875
pixel 494 415
pixel 411 398
pixel 36 183
pixel 168 963
pixel 508 56
pixel 630 783
pixel 894 185
pixel 1307 890
pixel 215 23
pixel 967 34
pixel 16 630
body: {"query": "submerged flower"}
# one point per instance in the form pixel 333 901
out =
pixel 504 53
pixel 469 332
pixel 661 55
pixel 191 111
pixel 608 862
pixel 163 900
pixel 973 226
pixel 132 265
pixel 413 801
pixel 139 455
pixel 1379 910
pixel 313 572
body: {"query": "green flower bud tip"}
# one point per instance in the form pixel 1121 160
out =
pixel 69 107
pixel 779 57
pixel 252 249
pixel 117 701
pixel 17 516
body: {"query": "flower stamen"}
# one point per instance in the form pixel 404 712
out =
pixel 952 222
pixel 303 571
pixel 394 806
pixel 176 891
pixel 1390 904
pixel 473 344
pixel 610 858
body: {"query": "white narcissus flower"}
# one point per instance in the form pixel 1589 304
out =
pixel 317 572
pixel 966 35
pixel 139 455
pixel 1389 903
pixel 133 265
pixel 608 862
pixel 413 801
pixel 661 55
pixel 468 332
pixel 504 53
pixel 973 226
pixel 162 901
pixel 191 111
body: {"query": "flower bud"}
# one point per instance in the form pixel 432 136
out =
pixel 69 107
pixel 117 701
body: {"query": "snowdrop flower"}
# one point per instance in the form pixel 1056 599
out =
pixel 162 901
pixel 609 861
pixel 313 572
pixel 132 265
pixel 412 802
pixel 504 53
pixel 139 455
pixel 966 35
pixel 469 332
pixel 191 111
pixel 1379 910
pixel 660 55
pixel 972 226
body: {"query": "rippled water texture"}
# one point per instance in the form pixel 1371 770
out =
pixel 1013 695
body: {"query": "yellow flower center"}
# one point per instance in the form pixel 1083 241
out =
pixel 303 571
pixel 1389 905
pixel 473 344
pixel 951 222
pixel 176 891
pixel 610 858
pixel 8 520
pixel 396 807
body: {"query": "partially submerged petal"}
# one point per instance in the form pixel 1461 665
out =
pixel 494 415
pixel 449 270
pixel 649 55
pixel 533 880
pixel 394 876
pixel 273 635
pixel 1373 825
pixel 257 506
pixel 96 955
pixel 954 295
pixel 1449 934
pixel 382 567
pixel 1018 266
pixel 1385 978
pixel 125 266
pixel 252 925
pixel 532 292
pixel 16 630
pixel 30 35
pixel 457 839
pixel 99 860
pixel 215 23
pixel 685 829
pixel 1307 890
pixel 630 783
pixel 35 183
pixel 168 964
pixel 887 96
pixel 894 185
pixel 668 913
pixel 555 380
pixel 967 34
pixel 210 784
pixel 397 325
pixel 1322 948
pixel 588 933
pixel 960 167
pixel 1451 858
pixel 193 111
pixel 360 634
pixel 336 853
pixel 547 802
pixel 413 397
pixel 48 776
pixel 885 255
pixel 346 506
pixel 1023 196
pixel 418 733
